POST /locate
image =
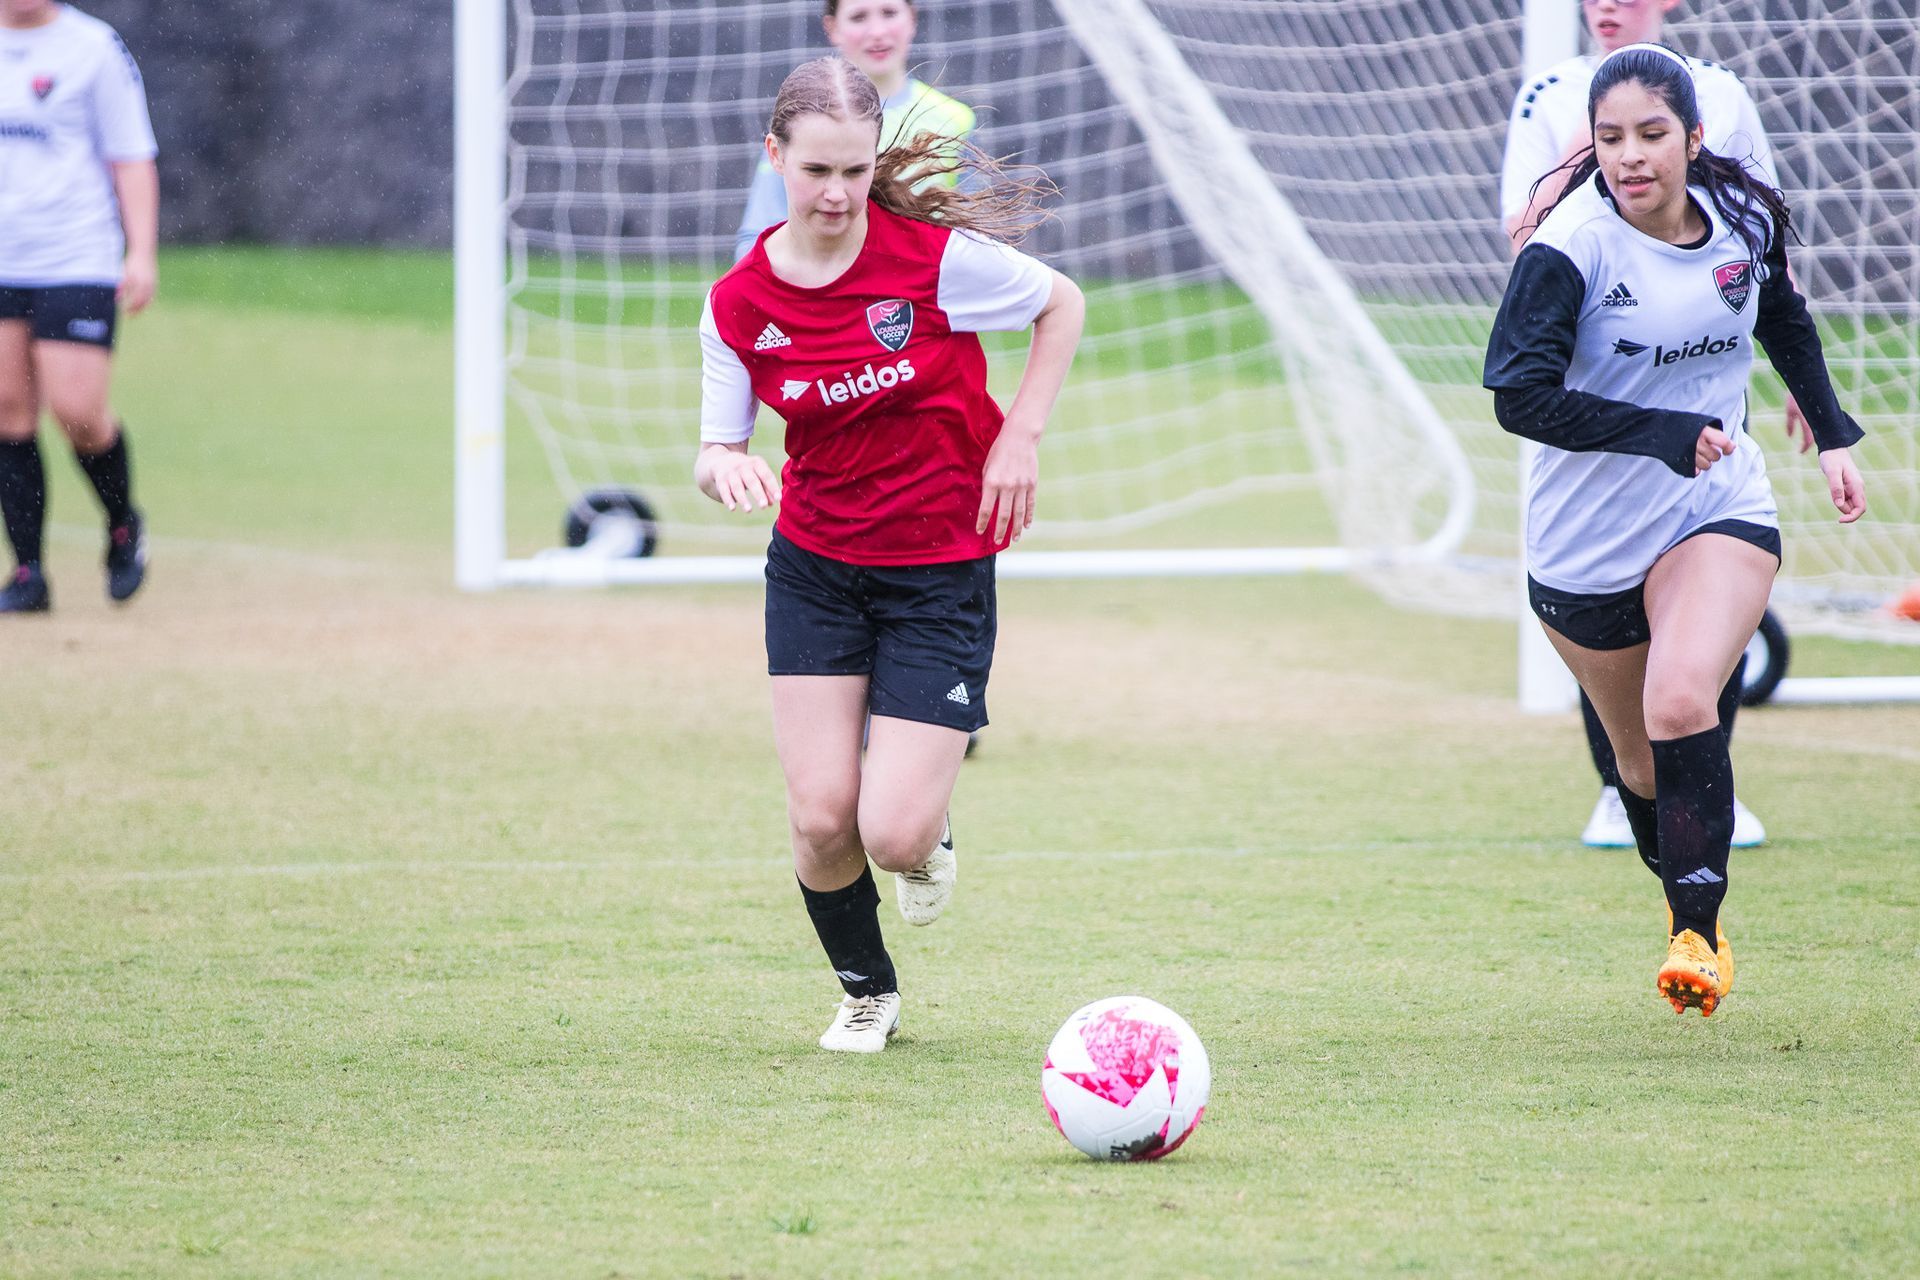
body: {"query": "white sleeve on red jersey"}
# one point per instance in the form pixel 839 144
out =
pixel 122 126
pixel 727 406
pixel 986 285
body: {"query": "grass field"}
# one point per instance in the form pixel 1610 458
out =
pixel 351 926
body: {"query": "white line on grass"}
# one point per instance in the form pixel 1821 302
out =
pixel 515 866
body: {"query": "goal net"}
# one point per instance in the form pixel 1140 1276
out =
pixel 1283 212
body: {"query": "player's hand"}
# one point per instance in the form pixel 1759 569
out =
pixel 1797 425
pixel 1713 445
pixel 1007 490
pixel 139 276
pixel 742 481
pixel 1843 484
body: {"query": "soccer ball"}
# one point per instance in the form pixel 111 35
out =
pixel 1125 1079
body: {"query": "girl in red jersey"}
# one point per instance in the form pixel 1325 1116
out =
pixel 855 320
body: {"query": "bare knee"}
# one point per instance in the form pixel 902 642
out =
pixel 1636 770
pixel 90 427
pixel 897 844
pixel 1681 704
pixel 19 415
pixel 823 823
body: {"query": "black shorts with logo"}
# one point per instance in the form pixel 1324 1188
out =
pixel 923 633
pixel 1618 619
pixel 63 312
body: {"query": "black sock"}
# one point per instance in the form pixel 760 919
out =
pixel 848 922
pixel 1599 746
pixel 1644 817
pixel 23 497
pixel 1694 776
pixel 111 479
pixel 1730 697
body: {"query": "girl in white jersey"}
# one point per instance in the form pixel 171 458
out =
pixel 1653 536
pixel 79 209
pixel 1546 130
pixel 877 37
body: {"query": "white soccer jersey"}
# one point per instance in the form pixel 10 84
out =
pixel 1551 111
pixel 71 102
pixel 1614 350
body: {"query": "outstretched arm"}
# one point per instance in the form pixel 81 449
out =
pixel 1013 464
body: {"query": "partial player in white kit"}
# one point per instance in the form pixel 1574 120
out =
pixel 1653 537
pixel 79 227
pixel 1546 129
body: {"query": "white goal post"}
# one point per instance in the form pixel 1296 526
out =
pixel 1283 213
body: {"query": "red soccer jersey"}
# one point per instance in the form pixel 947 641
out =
pixel 881 381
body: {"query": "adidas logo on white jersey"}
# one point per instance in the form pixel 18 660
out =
pixel 959 694
pixel 771 337
pixel 1701 876
pixel 1619 297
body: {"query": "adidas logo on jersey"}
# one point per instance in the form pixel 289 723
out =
pixel 853 386
pixel 959 694
pixel 1618 296
pixel 771 337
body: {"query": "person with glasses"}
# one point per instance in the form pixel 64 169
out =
pixel 1545 131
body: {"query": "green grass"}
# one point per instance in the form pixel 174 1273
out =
pixel 349 926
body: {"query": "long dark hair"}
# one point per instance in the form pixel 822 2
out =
pixel 1755 210
pixel 997 200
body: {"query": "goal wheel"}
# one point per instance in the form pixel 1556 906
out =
pixel 620 520
pixel 1767 655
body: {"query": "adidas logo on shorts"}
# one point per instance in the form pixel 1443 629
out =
pixel 771 337
pixel 959 694
pixel 1619 297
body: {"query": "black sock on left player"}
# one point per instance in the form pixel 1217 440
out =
pixel 1599 746
pixel 1694 779
pixel 23 497
pixel 847 922
pixel 1643 815
pixel 1730 697
pixel 112 478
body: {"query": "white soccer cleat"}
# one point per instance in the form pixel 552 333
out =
pixel 862 1024
pixel 1748 830
pixel 923 893
pixel 1608 828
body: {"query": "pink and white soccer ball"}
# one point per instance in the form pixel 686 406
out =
pixel 1126 1079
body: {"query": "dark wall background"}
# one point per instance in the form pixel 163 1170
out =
pixel 302 121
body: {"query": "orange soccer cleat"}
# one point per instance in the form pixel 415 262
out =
pixel 1690 979
pixel 1723 954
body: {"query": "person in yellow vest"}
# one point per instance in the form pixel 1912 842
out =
pixel 877 37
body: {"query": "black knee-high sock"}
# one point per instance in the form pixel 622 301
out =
pixel 1730 697
pixel 848 922
pixel 112 479
pixel 23 497
pixel 1598 745
pixel 1694 778
pixel 1644 817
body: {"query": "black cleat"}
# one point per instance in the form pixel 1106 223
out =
pixel 126 558
pixel 26 591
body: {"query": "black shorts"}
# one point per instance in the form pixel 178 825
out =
pixel 63 312
pixel 923 633
pixel 1618 619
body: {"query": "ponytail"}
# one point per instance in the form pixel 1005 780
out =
pixel 929 177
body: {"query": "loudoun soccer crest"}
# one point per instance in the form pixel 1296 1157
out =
pixel 1735 280
pixel 42 86
pixel 891 322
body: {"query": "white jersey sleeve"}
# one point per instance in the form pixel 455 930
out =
pixel 124 130
pixel 986 285
pixel 1530 152
pixel 727 404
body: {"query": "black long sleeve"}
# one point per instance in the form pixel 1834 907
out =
pixel 1792 344
pixel 1528 356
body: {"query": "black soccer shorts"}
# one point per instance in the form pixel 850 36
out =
pixel 63 312
pixel 923 633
